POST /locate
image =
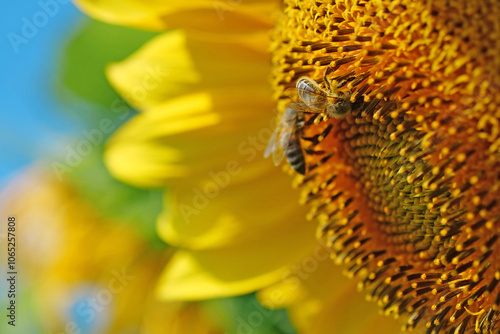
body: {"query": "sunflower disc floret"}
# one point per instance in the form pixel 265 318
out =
pixel 406 187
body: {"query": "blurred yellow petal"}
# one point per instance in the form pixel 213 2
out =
pixel 226 65
pixel 216 215
pixel 177 63
pixel 321 300
pixel 346 314
pixel 283 293
pixel 188 137
pixel 166 145
pixel 136 152
pixel 177 318
pixel 194 141
pixel 198 275
pixel 160 69
pixel 305 280
pixel 243 267
pixel 207 15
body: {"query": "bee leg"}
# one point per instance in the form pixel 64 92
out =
pixel 345 81
pixel 342 84
pixel 319 118
pixel 339 94
pixel 328 71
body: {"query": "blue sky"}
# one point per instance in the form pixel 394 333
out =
pixel 32 123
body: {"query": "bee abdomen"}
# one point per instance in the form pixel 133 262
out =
pixel 295 157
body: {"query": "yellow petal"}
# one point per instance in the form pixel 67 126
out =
pixel 189 136
pixel 225 272
pixel 176 63
pixel 282 294
pixel 139 156
pixel 177 318
pixel 206 15
pixel 312 278
pixel 350 313
pixel 321 300
pixel 229 211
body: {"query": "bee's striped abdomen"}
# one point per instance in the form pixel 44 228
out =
pixel 295 155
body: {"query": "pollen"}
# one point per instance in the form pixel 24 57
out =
pixel 408 183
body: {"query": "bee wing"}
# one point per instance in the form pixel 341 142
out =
pixel 278 155
pixel 273 142
pixel 274 146
pixel 291 92
pixel 284 140
pixel 287 132
pixel 312 100
pixel 278 144
pixel 300 106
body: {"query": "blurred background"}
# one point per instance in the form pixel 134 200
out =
pixel 87 253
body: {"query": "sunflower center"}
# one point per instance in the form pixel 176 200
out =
pixel 404 187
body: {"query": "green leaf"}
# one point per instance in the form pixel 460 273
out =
pixel 244 314
pixel 86 55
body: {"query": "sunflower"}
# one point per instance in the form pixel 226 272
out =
pixel 403 188
pixel 96 290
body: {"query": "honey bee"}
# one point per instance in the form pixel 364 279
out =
pixel 285 139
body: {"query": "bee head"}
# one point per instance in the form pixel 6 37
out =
pixel 338 109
